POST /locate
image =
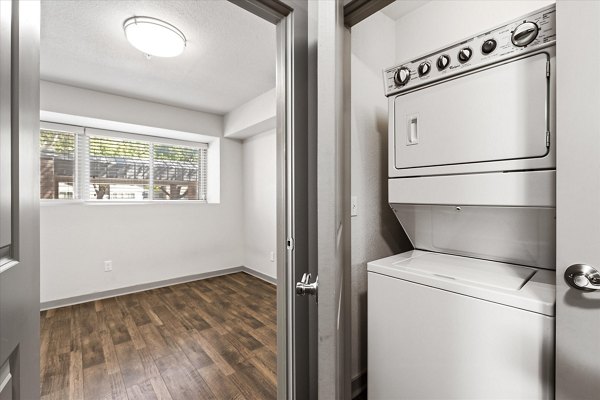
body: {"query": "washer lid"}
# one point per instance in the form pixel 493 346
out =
pixel 469 270
pixel 512 285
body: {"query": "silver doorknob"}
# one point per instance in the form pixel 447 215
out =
pixel 305 288
pixel 583 277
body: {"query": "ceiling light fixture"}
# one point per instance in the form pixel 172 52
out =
pixel 154 37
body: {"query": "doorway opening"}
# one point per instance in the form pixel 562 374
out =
pixel 159 215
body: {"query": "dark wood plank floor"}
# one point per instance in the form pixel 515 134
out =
pixel 208 339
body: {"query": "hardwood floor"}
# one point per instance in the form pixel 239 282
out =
pixel 208 339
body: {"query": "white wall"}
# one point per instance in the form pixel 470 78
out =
pixel 375 231
pixel 377 43
pixel 260 202
pixel 149 242
pixel 252 117
pixel 65 99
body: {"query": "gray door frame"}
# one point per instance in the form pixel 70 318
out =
pixel 299 324
pixel 20 266
pixel 292 137
pixel 357 10
pixel 333 202
pixel 577 197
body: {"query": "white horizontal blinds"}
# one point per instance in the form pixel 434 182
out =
pixel 176 172
pixel 83 167
pixel 145 138
pixel 97 164
pixel 202 174
pixel 57 164
pixel 52 126
pixel 119 169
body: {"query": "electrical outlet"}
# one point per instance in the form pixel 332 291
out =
pixel 107 266
pixel 354 206
pixel 272 256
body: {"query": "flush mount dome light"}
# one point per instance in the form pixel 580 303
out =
pixel 154 37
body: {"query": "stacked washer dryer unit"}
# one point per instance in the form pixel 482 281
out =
pixel 469 314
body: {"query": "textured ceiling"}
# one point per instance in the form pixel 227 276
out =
pixel 229 58
pixel 398 9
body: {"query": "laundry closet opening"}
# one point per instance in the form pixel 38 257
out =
pixel 158 195
pixel 453 154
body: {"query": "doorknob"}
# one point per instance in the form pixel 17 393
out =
pixel 583 277
pixel 305 288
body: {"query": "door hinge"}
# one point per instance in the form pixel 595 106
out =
pixel 548 69
pixel 547 138
pixel 290 244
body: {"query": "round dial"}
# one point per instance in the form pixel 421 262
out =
pixel 424 68
pixel 465 54
pixel 442 62
pixel 402 76
pixel 525 34
pixel 488 46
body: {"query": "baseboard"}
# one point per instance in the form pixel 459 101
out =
pixel 47 305
pixel 359 384
pixel 259 275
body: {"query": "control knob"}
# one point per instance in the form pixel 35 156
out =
pixel 465 54
pixel 488 46
pixel 402 76
pixel 424 68
pixel 442 62
pixel 525 34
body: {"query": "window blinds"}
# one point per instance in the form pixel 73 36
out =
pixel 108 165
pixel 119 169
pixel 57 164
pixel 178 172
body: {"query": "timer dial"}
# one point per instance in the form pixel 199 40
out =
pixel 525 34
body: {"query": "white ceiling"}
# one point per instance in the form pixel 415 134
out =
pixel 229 58
pixel 400 8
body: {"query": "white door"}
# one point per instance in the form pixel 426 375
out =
pixel 19 204
pixel 578 196
pixel 333 201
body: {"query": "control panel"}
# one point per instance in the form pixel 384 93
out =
pixel 525 35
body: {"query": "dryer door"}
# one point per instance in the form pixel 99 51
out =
pixel 496 114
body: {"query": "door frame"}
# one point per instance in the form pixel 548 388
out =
pixel 577 359
pixel 333 202
pixel 292 140
pixel 296 137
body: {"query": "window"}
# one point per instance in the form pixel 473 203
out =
pixel 179 172
pixel 91 164
pixel 57 164
pixel 119 169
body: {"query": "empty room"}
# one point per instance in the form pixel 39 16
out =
pixel 157 192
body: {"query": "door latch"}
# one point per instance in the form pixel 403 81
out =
pixel 305 288
pixel 583 277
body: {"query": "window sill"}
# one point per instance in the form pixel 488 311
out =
pixel 51 203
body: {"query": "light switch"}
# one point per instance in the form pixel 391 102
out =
pixel 354 206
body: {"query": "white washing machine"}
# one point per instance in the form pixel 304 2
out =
pixel 469 314
pixel 450 327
